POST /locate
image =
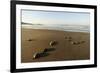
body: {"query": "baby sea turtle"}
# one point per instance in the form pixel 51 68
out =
pixel 53 43
pixel 35 55
pixel 69 38
pixel 39 54
pixel 82 41
pixel 75 42
pixel 30 40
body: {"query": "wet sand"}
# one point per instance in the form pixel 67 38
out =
pixel 36 40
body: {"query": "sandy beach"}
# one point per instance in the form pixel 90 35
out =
pixel 36 40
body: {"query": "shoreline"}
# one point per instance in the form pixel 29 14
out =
pixel 57 30
pixel 70 28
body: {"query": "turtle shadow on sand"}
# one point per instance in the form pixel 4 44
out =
pixel 43 54
pixel 46 51
pixel 40 55
pixel 70 39
pixel 49 49
pixel 31 39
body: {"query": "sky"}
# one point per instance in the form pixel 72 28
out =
pixel 55 17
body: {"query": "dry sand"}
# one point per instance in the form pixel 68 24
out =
pixel 35 40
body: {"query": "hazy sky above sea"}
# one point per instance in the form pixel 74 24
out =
pixel 52 17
